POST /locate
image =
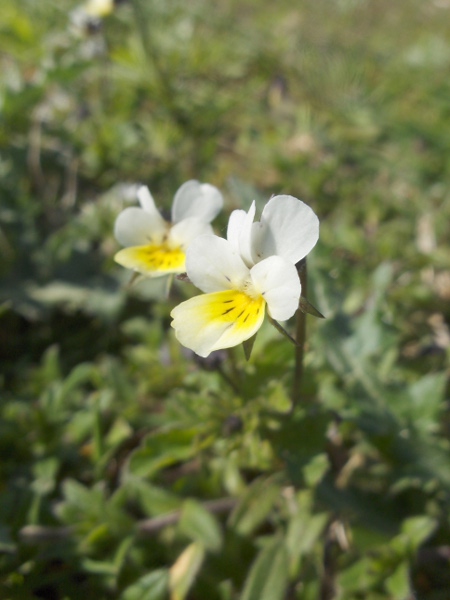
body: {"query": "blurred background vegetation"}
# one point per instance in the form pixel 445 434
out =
pixel 129 468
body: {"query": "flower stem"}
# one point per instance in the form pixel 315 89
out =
pixel 300 335
pixel 155 64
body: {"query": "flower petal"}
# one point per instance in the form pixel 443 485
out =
pixel 148 204
pixel 135 226
pixel 213 265
pixel 288 228
pixel 239 232
pixel 152 260
pixel 277 280
pixel 184 232
pixel 214 321
pixel 194 199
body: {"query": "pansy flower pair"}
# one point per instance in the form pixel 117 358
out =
pixel 242 276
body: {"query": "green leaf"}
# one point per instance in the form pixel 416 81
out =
pixel 248 346
pixel 307 308
pixel 50 369
pixel 426 401
pixel 303 532
pixel 254 507
pixel 163 449
pixel 268 577
pixel 81 499
pixel 299 439
pixel 397 584
pixel 414 532
pixel 200 525
pixel 418 529
pixel 100 567
pixel 359 577
pixel 315 470
pixel 45 475
pixel 122 552
pixel 184 571
pixel 283 331
pixel 152 499
pixel 152 586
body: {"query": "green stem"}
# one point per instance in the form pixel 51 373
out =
pixel 98 433
pixel 154 62
pixel 35 509
pixel 300 335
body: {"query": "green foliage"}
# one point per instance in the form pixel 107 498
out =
pixel 198 524
pixel 268 576
pixel 153 586
pixel 132 469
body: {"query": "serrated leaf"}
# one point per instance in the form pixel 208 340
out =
pixel 268 577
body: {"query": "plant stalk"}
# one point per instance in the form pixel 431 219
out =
pixel 300 336
pixel 154 62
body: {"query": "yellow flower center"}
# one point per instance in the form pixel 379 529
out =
pixel 154 259
pixel 218 320
pixel 236 308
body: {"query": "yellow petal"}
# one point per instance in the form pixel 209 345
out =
pixel 152 260
pixel 99 8
pixel 218 320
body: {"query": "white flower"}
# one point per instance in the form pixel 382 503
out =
pixel 241 276
pixel 99 8
pixel 155 247
pixel 88 16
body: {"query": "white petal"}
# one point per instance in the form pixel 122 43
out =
pixel 235 225
pixel 278 282
pixel 239 232
pixel 184 232
pixel 136 227
pixel 194 199
pixel 288 228
pixel 213 265
pixel 215 321
pixel 148 204
pixel 145 198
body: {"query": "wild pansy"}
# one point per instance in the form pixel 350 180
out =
pixel 155 247
pixel 87 18
pixel 253 269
